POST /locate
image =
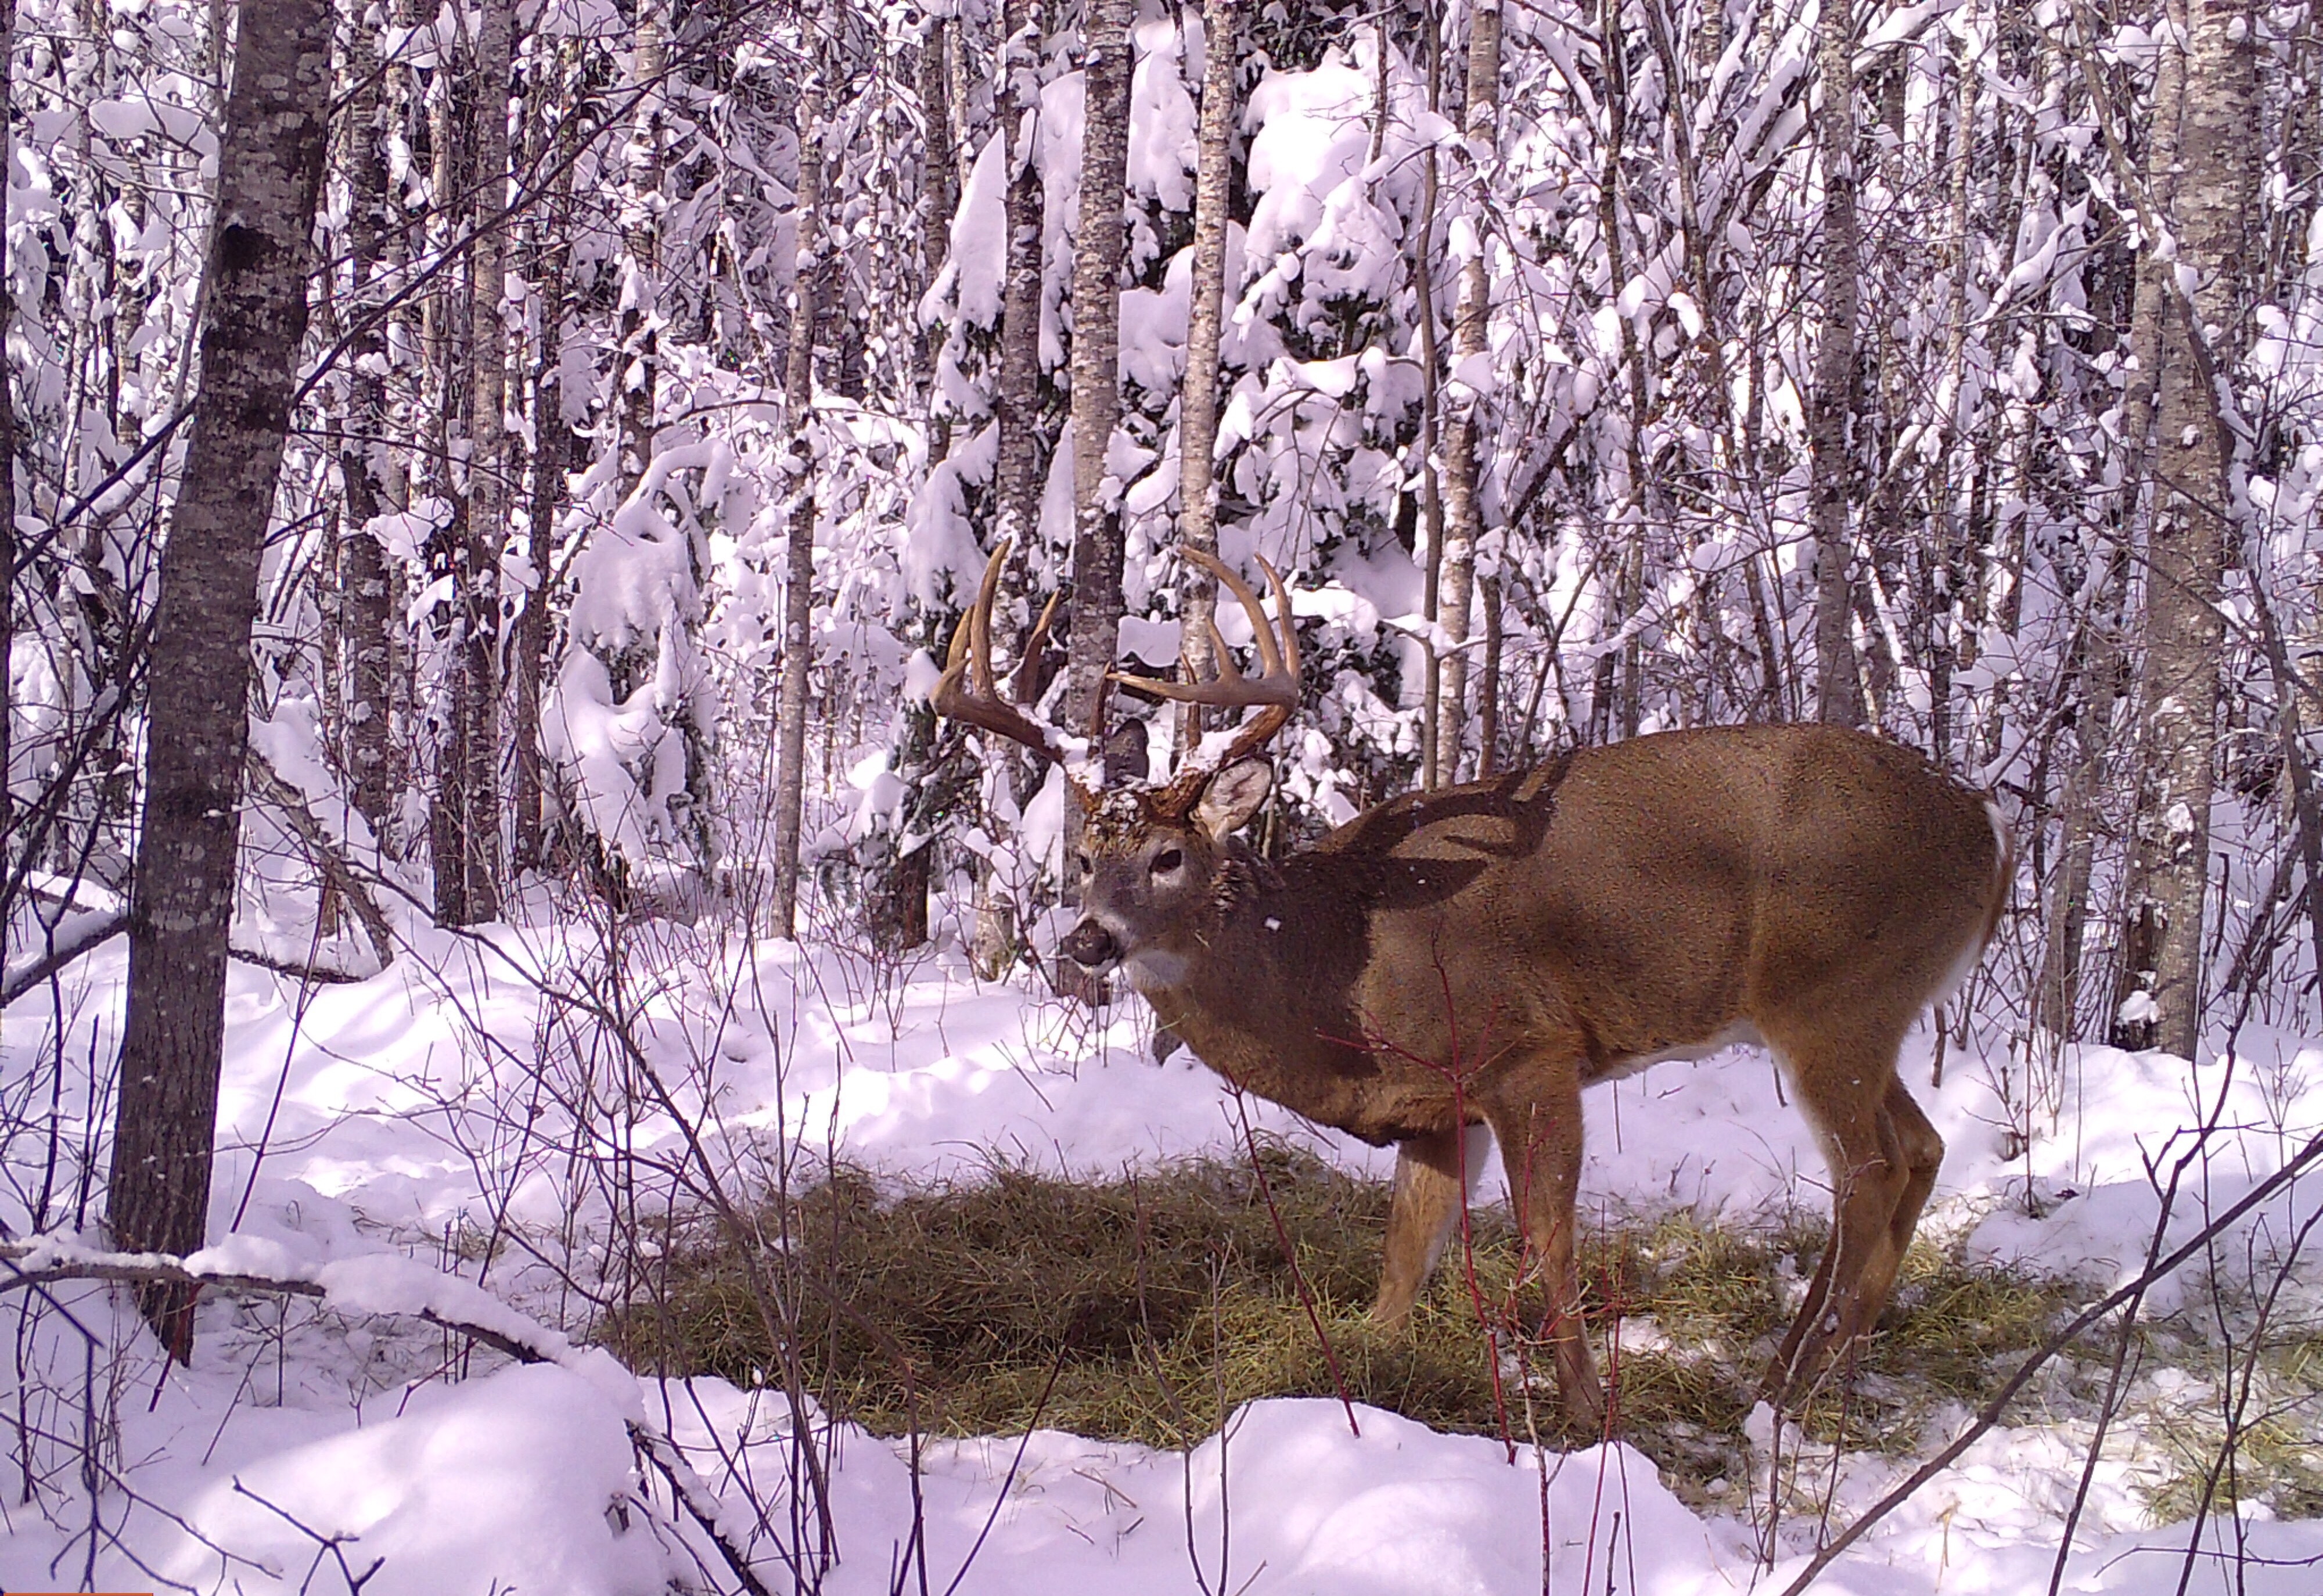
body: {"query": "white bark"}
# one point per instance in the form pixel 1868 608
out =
pixel 1464 521
pixel 1197 402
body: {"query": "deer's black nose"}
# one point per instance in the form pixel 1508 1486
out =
pixel 1090 945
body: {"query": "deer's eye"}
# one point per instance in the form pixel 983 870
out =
pixel 1167 863
pixel 1081 863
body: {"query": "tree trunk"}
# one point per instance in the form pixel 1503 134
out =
pixel 1464 518
pixel 270 169
pixel 1618 698
pixel 2058 999
pixel 2178 694
pixel 1099 241
pixel 939 198
pixel 1016 485
pixel 1198 401
pixel 553 448
pixel 1431 496
pixel 798 591
pixel 639 361
pixel 2129 1021
pixel 1016 478
pixel 7 482
pixel 1831 406
pixel 365 606
pixel 473 740
pixel 448 547
pixel 896 892
pixel 1488 686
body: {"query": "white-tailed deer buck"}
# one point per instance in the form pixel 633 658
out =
pixel 1480 954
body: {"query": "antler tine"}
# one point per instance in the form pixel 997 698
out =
pixel 1274 692
pixel 1022 678
pixel 1278 683
pixel 971 651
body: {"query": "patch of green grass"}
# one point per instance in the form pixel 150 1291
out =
pixel 1144 1309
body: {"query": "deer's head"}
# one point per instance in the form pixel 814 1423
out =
pixel 1147 859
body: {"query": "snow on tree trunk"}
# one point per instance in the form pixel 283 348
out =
pixel 1099 240
pixel 269 170
pixel 1463 512
pixel 2186 546
pixel 1831 406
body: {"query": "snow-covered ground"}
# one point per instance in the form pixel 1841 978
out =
pixel 433 1109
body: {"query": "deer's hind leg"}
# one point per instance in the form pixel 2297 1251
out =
pixel 1428 1191
pixel 1924 1153
pixel 1883 1156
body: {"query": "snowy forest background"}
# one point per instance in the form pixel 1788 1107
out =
pixel 649 384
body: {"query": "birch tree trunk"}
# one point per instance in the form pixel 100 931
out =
pixel 798 591
pixel 2178 694
pixel 1198 401
pixel 1831 406
pixel 269 170
pixel 1099 241
pixel 1464 519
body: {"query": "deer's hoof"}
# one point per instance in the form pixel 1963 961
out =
pixel 1390 1318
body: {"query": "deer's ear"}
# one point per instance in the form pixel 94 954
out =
pixel 1234 797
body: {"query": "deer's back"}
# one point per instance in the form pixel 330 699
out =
pixel 1652 895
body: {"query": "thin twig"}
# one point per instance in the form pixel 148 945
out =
pixel 1290 1259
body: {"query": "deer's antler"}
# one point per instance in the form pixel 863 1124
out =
pixel 1274 692
pixel 971 650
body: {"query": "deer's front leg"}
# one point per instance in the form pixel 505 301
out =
pixel 1539 1130
pixel 1429 1192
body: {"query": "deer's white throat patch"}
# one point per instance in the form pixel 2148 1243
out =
pixel 1155 969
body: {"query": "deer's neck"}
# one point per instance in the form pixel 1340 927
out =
pixel 1256 993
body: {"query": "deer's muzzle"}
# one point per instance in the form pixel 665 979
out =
pixel 1090 945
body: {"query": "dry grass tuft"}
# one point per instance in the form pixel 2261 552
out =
pixel 1148 1306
